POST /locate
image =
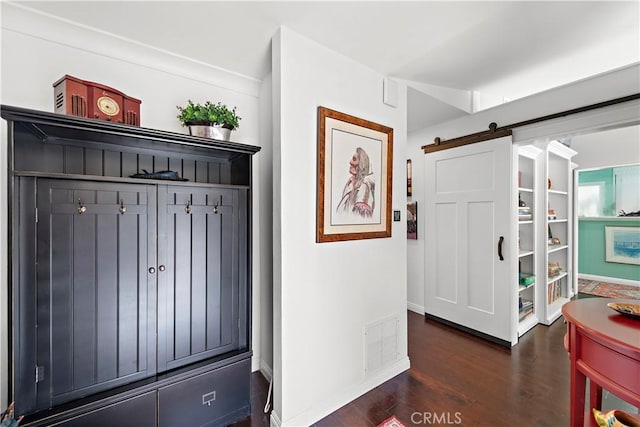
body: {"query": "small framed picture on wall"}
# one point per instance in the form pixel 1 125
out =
pixel 412 220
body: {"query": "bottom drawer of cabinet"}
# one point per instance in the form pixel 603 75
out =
pixel 139 411
pixel 215 398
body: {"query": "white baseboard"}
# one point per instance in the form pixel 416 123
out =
pixel 341 398
pixel 606 279
pixel 266 370
pixel 415 308
pixel 274 420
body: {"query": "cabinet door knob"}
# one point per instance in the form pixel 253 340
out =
pixel 152 270
pixel 162 268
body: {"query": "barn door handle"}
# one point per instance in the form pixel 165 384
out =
pixel 500 248
pixel 81 208
pixel 122 209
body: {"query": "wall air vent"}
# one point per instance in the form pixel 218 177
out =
pixel 381 344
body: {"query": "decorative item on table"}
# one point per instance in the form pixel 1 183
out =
pixel 82 98
pixel 628 309
pixel 553 269
pixel 551 214
pixel 209 120
pixel 163 175
pixel 615 418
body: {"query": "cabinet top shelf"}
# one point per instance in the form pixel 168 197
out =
pixel 51 125
pixel 561 192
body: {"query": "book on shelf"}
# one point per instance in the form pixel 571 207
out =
pixel 525 308
pixel 524 213
pixel 525 279
pixel 554 291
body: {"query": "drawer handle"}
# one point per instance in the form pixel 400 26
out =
pixel 208 398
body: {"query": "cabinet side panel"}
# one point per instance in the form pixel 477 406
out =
pixel 23 296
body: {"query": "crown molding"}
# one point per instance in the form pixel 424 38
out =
pixel 24 20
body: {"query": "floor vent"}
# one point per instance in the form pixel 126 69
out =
pixel 381 344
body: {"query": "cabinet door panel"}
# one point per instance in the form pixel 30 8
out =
pixel 95 300
pixel 198 291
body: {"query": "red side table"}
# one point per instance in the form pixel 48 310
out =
pixel 604 346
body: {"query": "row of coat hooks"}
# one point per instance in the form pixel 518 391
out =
pixel 82 208
pixel 187 208
pixel 122 209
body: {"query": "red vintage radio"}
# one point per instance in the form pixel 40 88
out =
pixel 82 98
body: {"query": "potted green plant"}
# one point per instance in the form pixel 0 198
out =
pixel 209 120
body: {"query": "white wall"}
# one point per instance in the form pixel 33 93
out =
pixel 325 293
pixel 37 50
pixel 608 86
pixel 264 186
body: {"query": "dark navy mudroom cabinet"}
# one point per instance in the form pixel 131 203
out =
pixel 129 297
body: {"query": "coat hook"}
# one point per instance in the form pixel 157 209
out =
pixel 122 208
pixel 187 208
pixel 81 208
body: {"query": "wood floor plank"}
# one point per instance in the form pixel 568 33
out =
pixel 457 378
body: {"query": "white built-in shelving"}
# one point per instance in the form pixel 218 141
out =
pixel 556 235
pixel 526 158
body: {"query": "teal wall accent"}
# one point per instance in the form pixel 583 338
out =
pixel 605 176
pixel 591 250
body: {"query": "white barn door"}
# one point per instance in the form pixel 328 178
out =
pixel 468 210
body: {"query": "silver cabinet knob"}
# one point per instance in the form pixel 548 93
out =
pixel 162 268
pixel 152 270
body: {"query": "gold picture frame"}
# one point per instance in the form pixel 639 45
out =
pixel 354 178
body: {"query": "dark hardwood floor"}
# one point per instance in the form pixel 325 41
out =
pixel 456 378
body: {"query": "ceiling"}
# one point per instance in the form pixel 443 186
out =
pixel 501 50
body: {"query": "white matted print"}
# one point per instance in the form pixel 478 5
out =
pixel 622 244
pixel 354 177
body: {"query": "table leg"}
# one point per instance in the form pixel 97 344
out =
pixel 578 389
pixel 595 400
